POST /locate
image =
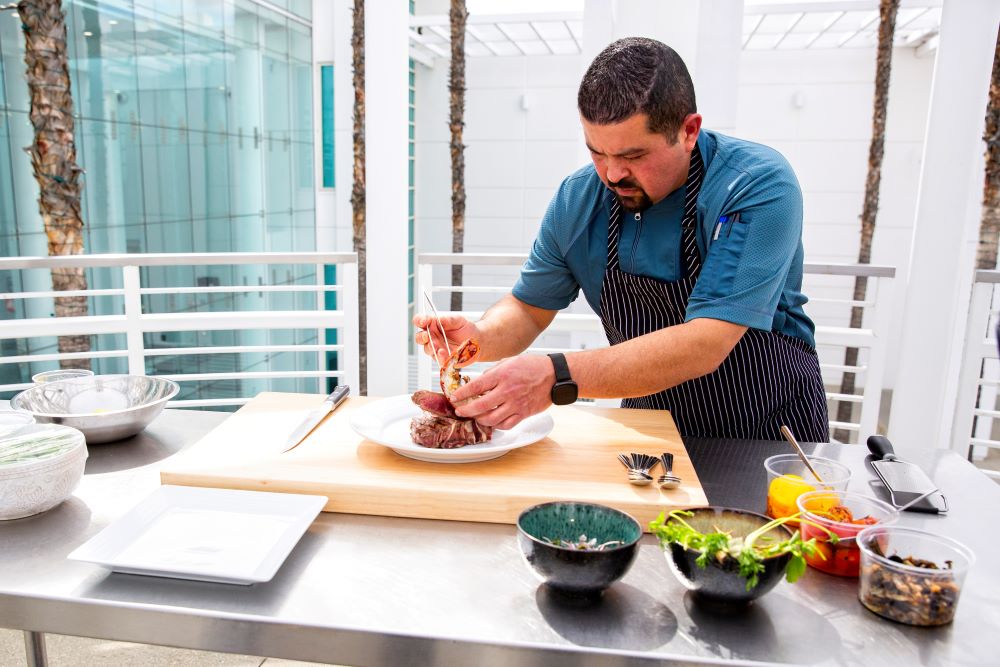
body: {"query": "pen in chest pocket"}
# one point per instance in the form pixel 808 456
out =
pixel 728 221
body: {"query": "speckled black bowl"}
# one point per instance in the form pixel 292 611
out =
pixel 576 572
pixel 720 584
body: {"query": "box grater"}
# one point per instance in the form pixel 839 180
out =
pixel 905 481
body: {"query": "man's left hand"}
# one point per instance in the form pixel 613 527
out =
pixel 505 394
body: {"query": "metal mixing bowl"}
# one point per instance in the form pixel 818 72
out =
pixel 104 407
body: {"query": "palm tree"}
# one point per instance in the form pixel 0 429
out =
pixel 53 155
pixel 456 87
pixel 883 65
pixel 358 187
pixel 989 228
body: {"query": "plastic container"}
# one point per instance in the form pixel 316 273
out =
pixel 907 593
pixel 60 374
pixel 788 478
pixel 842 558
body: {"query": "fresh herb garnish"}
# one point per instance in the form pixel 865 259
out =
pixel 749 552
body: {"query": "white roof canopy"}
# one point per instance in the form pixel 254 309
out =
pixel 796 24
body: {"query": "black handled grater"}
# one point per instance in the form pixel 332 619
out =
pixel 905 481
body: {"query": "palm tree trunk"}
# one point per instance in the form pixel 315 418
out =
pixel 883 65
pixel 989 228
pixel 358 187
pixel 456 88
pixel 53 156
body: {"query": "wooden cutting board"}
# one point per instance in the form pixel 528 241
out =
pixel 576 462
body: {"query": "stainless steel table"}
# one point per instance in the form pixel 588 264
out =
pixel 364 590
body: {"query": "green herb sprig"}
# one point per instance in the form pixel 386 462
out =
pixel 749 552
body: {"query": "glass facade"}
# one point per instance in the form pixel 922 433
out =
pixel 194 125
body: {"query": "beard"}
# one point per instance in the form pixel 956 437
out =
pixel 636 202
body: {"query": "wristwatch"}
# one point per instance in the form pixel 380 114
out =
pixel 564 391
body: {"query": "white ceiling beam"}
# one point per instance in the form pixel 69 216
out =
pixel 539 36
pixel 419 55
pixel 831 6
pixel 442 19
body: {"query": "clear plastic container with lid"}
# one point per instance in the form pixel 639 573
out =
pixel 912 576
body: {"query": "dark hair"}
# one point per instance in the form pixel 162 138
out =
pixel 637 75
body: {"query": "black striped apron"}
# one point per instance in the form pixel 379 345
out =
pixel 769 378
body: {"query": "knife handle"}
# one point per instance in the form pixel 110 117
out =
pixel 880 446
pixel 338 394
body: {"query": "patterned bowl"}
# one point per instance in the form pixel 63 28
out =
pixel 104 407
pixel 583 573
pixel 35 486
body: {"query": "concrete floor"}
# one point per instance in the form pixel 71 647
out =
pixel 63 651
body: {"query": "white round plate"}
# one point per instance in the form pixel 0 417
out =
pixel 387 422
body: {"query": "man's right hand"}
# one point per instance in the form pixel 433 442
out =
pixel 458 330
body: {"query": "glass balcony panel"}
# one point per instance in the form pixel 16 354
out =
pixel 300 101
pixel 301 8
pixel 6 186
pixel 300 46
pixel 12 53
pixel 204 16
pixel 205 81
pixel 274 27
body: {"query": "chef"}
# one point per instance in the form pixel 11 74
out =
pixel 687 243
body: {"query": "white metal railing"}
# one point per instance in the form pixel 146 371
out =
pixel 134 323
pixel 871 341
pixel 979 376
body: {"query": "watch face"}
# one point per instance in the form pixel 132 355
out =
pixel 564 393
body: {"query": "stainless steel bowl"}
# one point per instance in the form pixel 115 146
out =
pixel 104 407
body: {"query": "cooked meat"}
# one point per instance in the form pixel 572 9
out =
pixel 435 403
pixel 446 432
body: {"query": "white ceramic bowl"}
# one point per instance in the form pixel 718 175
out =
pixel 35 486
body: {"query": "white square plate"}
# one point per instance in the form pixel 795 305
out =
pixel 221 535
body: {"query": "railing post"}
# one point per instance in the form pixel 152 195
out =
pixel 969 371
pixel 877 354
pixel 347 278
pixel 133 320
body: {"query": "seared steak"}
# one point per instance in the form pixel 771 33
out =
pixel 440 428
pixel 435 403
pixel 447 433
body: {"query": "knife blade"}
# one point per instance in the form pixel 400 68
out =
pixel 314 417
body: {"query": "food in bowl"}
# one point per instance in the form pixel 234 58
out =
pixel 439 427
pixel 583 544
pixel 788 478
pixel 728 555
pixel 40 466
pixel 900 585
pixel 578 549
pixel 833 519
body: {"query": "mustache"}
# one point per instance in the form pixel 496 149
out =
pixel 624 183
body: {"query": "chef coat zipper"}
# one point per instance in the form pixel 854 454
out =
pixel 635 241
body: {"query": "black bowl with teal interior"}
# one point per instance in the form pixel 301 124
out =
pixel 570 570
pixel 720 584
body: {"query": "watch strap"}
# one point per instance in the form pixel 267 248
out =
pixel 561 367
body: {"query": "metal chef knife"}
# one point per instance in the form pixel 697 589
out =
pixel 314 417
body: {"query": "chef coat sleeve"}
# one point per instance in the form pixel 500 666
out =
pixel 746 268
pixel 546 280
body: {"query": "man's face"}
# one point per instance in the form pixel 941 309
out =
pixel 639 166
